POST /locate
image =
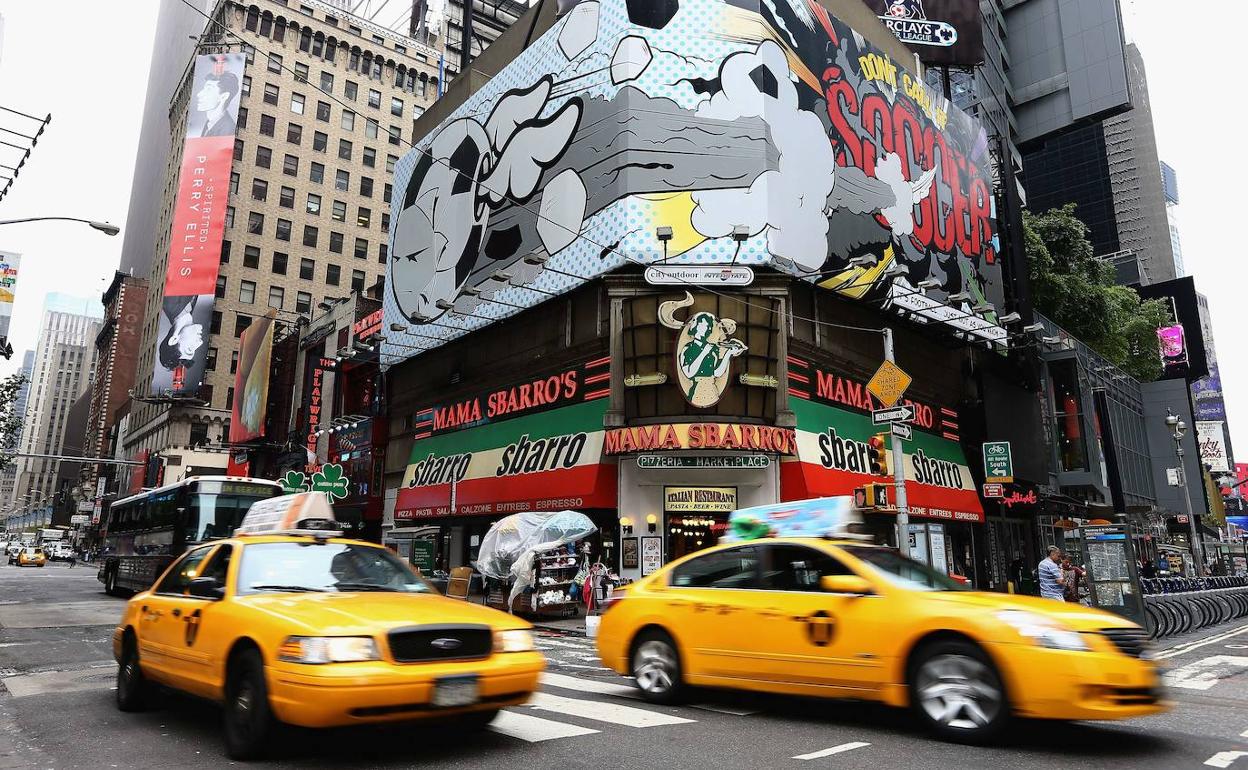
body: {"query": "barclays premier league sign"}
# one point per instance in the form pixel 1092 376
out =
pixel 763 134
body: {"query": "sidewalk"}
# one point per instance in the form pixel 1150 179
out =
pixel 575 626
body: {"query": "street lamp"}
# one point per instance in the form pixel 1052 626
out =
pixel 104 227
pixel 1178 429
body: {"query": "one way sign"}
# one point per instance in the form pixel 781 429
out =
pixel 903 413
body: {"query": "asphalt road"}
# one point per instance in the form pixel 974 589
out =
pixel 56 711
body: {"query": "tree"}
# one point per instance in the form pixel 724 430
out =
pixel 10 421
pixel 1077 291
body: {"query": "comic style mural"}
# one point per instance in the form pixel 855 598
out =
pixel 763 133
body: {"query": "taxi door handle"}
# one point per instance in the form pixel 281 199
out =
pixel 177 613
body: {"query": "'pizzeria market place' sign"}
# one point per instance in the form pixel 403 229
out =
pixel 673 462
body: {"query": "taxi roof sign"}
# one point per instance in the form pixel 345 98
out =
pixel 835 517
pixel 303 513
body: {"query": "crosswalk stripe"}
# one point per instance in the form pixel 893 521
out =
pixel 834 750
pixel 534 729
pixel 603 712
pixel 562 643
pixel 588 685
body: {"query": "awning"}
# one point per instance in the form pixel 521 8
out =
pixel 832 460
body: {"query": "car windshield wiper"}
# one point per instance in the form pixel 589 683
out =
pixel 285 588
pixel 362 587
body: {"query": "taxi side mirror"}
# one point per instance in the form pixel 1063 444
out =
pixel 206 588
pixel 846 584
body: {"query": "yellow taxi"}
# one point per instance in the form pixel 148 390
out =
pixel 840 618
pixel 288 623
pixel 31 556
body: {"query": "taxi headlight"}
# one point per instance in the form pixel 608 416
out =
pixel 328 649
pixel 515 640
pixel 1043 631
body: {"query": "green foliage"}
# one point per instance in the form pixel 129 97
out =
pixel 1077 291
pixel 10 421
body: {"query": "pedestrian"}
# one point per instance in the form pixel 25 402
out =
pixel 1072 576
pixel 1049 572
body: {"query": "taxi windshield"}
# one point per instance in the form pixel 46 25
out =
pixel 903 571
pixel 311 567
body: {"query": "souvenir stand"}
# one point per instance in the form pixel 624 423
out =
pixel 531 564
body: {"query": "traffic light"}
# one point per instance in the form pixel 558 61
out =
pixel 860 497
pixel 878 456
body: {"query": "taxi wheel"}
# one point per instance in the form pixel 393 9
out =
pixel 133 689
pixel 656 668
pixel 249 722
pixel 957 693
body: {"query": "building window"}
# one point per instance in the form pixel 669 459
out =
pixel 317 174
pixel 242 117
pixel 247 292
pixel 370 157
pixel 279 263
pixel 214 327
pixel 385 221
pixel 309 235
pixel 344 149
pixel 286 199
pixel 268 125
pixel 229 398
pixel 348 120
pixel 199 431
pixel 303 302
pixel 357 280
pixel 290 165
pixel 327 82
pixel 335 243
pixel 255 222
pixel 296 103
pixel 383 253
pixel 225 252
pixel 294 133
pixel 210 361
pixel 322 111
pixel 339 213
pixel 396 106
pixel 342 180
pixel 390 161
pixel 283 228
pixel 220 293
pixel 307 269
pixel 301 72
pixel 251 256
pixel 374 98
pixel 361 248
pixel 366 186
pixel 320 141
pixel 264 157
pixel 259 189
pixel 1068 414
pixel 270 94
pixel 277 295
pixel 229 216
pixel 396 134
pixel 234 183
pixel 314 204
pixel 274 65
pixel 370 128
pixel 352 90
pixel 234 362
pixel 364 217
pixel 246 89
pixel 333 274
pixel 238 149
pixel 241 322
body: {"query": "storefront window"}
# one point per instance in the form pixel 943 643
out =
pixel 1068 410
pixel 689 533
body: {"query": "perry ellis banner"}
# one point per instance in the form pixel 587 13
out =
pixel 198 225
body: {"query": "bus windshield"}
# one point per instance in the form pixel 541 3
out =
pixel 217 508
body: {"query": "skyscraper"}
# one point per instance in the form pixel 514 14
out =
pixel 8 477
pixel 63 367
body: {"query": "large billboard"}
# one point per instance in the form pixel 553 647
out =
pixel 198 225
pixel 9 265
pixel 1211 438
pixel 251 380
pixel 756 134
pixel 939 31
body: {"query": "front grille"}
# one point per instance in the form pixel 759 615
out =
pixel 1129 641
pixel 1133 696
pixel 421 643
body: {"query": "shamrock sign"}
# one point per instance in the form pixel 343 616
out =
pixel 330 480
pixel 294 481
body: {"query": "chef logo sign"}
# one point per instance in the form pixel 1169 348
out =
pixel 704 351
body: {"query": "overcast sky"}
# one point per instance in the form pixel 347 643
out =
pixel 86 62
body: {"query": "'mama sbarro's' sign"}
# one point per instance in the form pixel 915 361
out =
pixel 764 134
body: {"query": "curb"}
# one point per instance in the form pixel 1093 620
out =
pixel 562 630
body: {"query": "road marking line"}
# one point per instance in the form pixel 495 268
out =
pixel 834 750
pixel 534 729
pixel 1225 758
pixel 588 685
pixel 561 643
pixel 1189 646
pixel 603 712
pixel 1195 676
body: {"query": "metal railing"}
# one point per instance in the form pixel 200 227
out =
pixel 1178 606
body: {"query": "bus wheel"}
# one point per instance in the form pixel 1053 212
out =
pixel 110 583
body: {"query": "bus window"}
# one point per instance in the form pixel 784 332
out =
pixel 214 514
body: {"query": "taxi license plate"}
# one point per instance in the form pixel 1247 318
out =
pixel 452 691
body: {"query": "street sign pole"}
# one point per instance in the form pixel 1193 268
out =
pixel 899 470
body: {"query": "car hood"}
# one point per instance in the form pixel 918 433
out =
pixel 1075 616
pixel 368 613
